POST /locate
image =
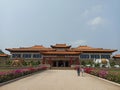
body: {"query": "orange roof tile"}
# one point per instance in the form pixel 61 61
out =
pixel 3 55
pixel 40 48
pixel 91 49
pixel 60 52
pixel 116 56
pixel 60 46
pixel 33 48
pixel 84 47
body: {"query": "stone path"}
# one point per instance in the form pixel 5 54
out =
pixel 60 80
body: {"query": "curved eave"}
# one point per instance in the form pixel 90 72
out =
pixel 4 55
pixel 97 51
pixel 28 50
pixel 116 57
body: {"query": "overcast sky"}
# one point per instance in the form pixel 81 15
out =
pixel 94 23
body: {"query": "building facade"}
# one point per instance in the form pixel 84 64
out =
pixel 60 55
pixel 3 58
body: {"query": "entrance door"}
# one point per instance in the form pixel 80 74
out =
pixel 60 64
pixel 66 64
pixel 54 64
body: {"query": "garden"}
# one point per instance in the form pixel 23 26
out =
pixel 112 74
pixel 13 73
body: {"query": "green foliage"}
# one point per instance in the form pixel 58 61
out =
pixel 97 65
pixel 38 62
pixel 86 62
pixel 34 63
pixel 1 52
pixel 8 62
pixel 109 74
pixel 19 73
pixel 112 63
pixel 83 63
pixel 25 63
pixel 90 62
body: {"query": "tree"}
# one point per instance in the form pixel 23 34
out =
pixel 1 52
pixel 83 63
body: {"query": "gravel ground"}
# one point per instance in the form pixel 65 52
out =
pixel 60 80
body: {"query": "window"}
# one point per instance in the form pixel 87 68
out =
pixel 36 56
pixel 84 56
pixel 26 55
pixel 105 56
pixel 16 55
pixel 95 56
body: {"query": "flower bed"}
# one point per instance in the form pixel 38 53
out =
pixel 109 74
pixel 9 75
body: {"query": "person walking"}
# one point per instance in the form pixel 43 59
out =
pixel 78 70
pixel 82 71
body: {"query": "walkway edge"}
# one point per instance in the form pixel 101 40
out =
pixel 117 84
pixel 16 79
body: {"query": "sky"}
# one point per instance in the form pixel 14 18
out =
pixel 24 23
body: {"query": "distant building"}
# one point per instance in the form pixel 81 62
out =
pixel 116 57
pixel 60 55
pixel 3 58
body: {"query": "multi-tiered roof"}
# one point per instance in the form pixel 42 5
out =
pixel 61 49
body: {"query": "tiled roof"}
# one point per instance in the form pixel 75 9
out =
pixel 60 46
pixel 61 52
pixel 33 48
pixel 116 56
pixel 40 48
pixel 84 47
pixel 3 55
pixel 91 49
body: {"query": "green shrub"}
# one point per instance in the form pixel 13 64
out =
pixel 8 62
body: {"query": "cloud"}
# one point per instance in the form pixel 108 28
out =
pixel 78 42
pixel 96 21
pixel 97 9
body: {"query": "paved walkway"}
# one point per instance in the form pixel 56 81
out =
pixel 60 80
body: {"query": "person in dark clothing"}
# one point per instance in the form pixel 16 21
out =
pixel 78 70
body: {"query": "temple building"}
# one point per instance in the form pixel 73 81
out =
pixel 60 55
pixel 3 57
pixel 116 57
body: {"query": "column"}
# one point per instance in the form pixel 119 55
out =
pixel 43 62
pixel 31 55
pixel 64 64
pixel 71 60
pixel 56 63
pixel 50 60
pixel 100 56
pixel 89 56
pixel 77 61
